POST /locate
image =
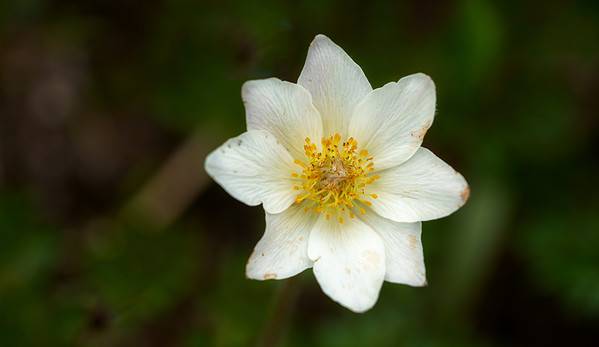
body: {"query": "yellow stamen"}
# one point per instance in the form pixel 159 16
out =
pixel 334 177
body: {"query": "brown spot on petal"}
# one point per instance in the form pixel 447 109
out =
pixel 465 194
pixel 372 258
pixel 412 241
pixel 347 270
pixel 270 276
pixel 422 131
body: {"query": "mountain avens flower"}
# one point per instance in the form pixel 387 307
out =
pixel 341 174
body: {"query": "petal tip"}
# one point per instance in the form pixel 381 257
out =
pixel 321 37
pixel 252 274
pixel 465 194
pixel 269 276
pixel 359 309
pixel 208 162
pixel 322 41
pixel 420 79
pixel 422 75
pixel 249 85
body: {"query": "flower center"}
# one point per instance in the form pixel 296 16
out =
pixel 334 179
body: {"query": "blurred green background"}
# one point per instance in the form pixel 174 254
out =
pixel 112 235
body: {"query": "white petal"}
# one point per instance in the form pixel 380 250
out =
pixel 335 81
pixel 392 120
pixel 283 109
pixel 349 262
pixel 283 250
pixel 254 168
pixel 403 249
pixel 422 188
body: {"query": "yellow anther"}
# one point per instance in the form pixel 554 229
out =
pixel 299 162
pixel 334 176
pixel 336 139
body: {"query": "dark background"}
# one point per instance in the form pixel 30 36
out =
pixel 111 234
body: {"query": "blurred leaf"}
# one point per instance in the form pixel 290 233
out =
pixel 238 305
pixel 561 251
pixel 33 312
pixel 137 275
pixel 478 42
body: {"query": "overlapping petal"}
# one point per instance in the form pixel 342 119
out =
pixel 422 188
pixel 403 249
pixel 349 262
pixel 391 121
pixel 254 168
pixel 283 109
pixel 335 81
pixel 282 251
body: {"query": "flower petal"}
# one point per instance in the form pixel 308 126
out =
pixel 283 250
pixel 422 188
pixel 283 109
pixel 349 262
pixel 391 121
pixel 254 168
pixel 403 249
pixel 335 81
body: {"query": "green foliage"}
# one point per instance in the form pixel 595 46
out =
pixel 30 302
pixel 561 253
pixel 138 274
pixel 516 113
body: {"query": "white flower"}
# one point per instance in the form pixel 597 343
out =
pixel 342 176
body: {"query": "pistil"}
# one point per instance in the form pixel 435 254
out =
pixel 333 180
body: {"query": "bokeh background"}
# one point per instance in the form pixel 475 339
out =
pixel 111 234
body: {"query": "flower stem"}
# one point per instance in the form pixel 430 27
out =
pixel 280 316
